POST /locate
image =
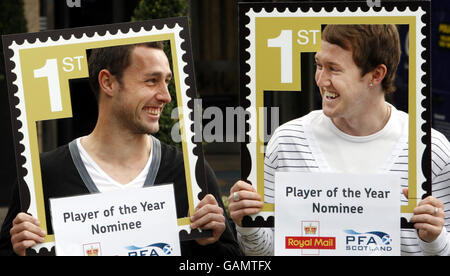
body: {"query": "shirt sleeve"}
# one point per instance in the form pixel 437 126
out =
pixel 255 241
pixel 440 150
pixel 259 241
pixel 439 247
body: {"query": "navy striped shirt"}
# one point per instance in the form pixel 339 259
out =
pixel 292 148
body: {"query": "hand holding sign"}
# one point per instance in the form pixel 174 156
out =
pixel 25 233
pixel 428 217
pixel 208 215
pixel 244 200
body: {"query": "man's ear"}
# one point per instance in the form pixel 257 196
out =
pixel 107 82
pixel 378 74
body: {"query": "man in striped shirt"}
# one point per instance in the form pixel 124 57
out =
pixel 356 131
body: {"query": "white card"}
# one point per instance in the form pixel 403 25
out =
pixel 135 222
pixel 336 214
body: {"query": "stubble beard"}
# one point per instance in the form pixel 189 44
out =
pixel 134 123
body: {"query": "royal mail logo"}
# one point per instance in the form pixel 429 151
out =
pixel 310 240
pixel 310 229
pixel 92 252
pixel 92 249
pixel 310 243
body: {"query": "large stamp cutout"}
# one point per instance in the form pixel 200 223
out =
pixel 272 38
pixel 39 67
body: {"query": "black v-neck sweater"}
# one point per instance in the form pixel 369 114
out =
pixel 60 178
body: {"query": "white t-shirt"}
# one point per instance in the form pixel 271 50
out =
pixel 103 181
pixel 364 154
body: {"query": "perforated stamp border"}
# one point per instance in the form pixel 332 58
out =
pixel 251 158
pixel 30 188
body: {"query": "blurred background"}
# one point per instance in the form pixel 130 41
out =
pixel 215 42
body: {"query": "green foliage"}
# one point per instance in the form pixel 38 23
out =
pixel 155 9
pixel 226 205
pixel 13 21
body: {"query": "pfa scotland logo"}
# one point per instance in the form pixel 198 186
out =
pixel 375 241
pixel 155 249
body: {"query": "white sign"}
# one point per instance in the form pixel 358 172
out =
pixel 137 222
pixel 336 214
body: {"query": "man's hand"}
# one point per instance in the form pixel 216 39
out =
pixel 208 216
pixel 428 217
pixel 25 233
pixel 243 201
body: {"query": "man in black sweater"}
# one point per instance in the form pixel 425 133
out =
pixel 130 83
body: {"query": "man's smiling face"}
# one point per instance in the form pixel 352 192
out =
pixel 345 93
pixel 143 91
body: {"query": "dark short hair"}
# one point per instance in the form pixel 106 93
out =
pixel 371 45
pixel 115 59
